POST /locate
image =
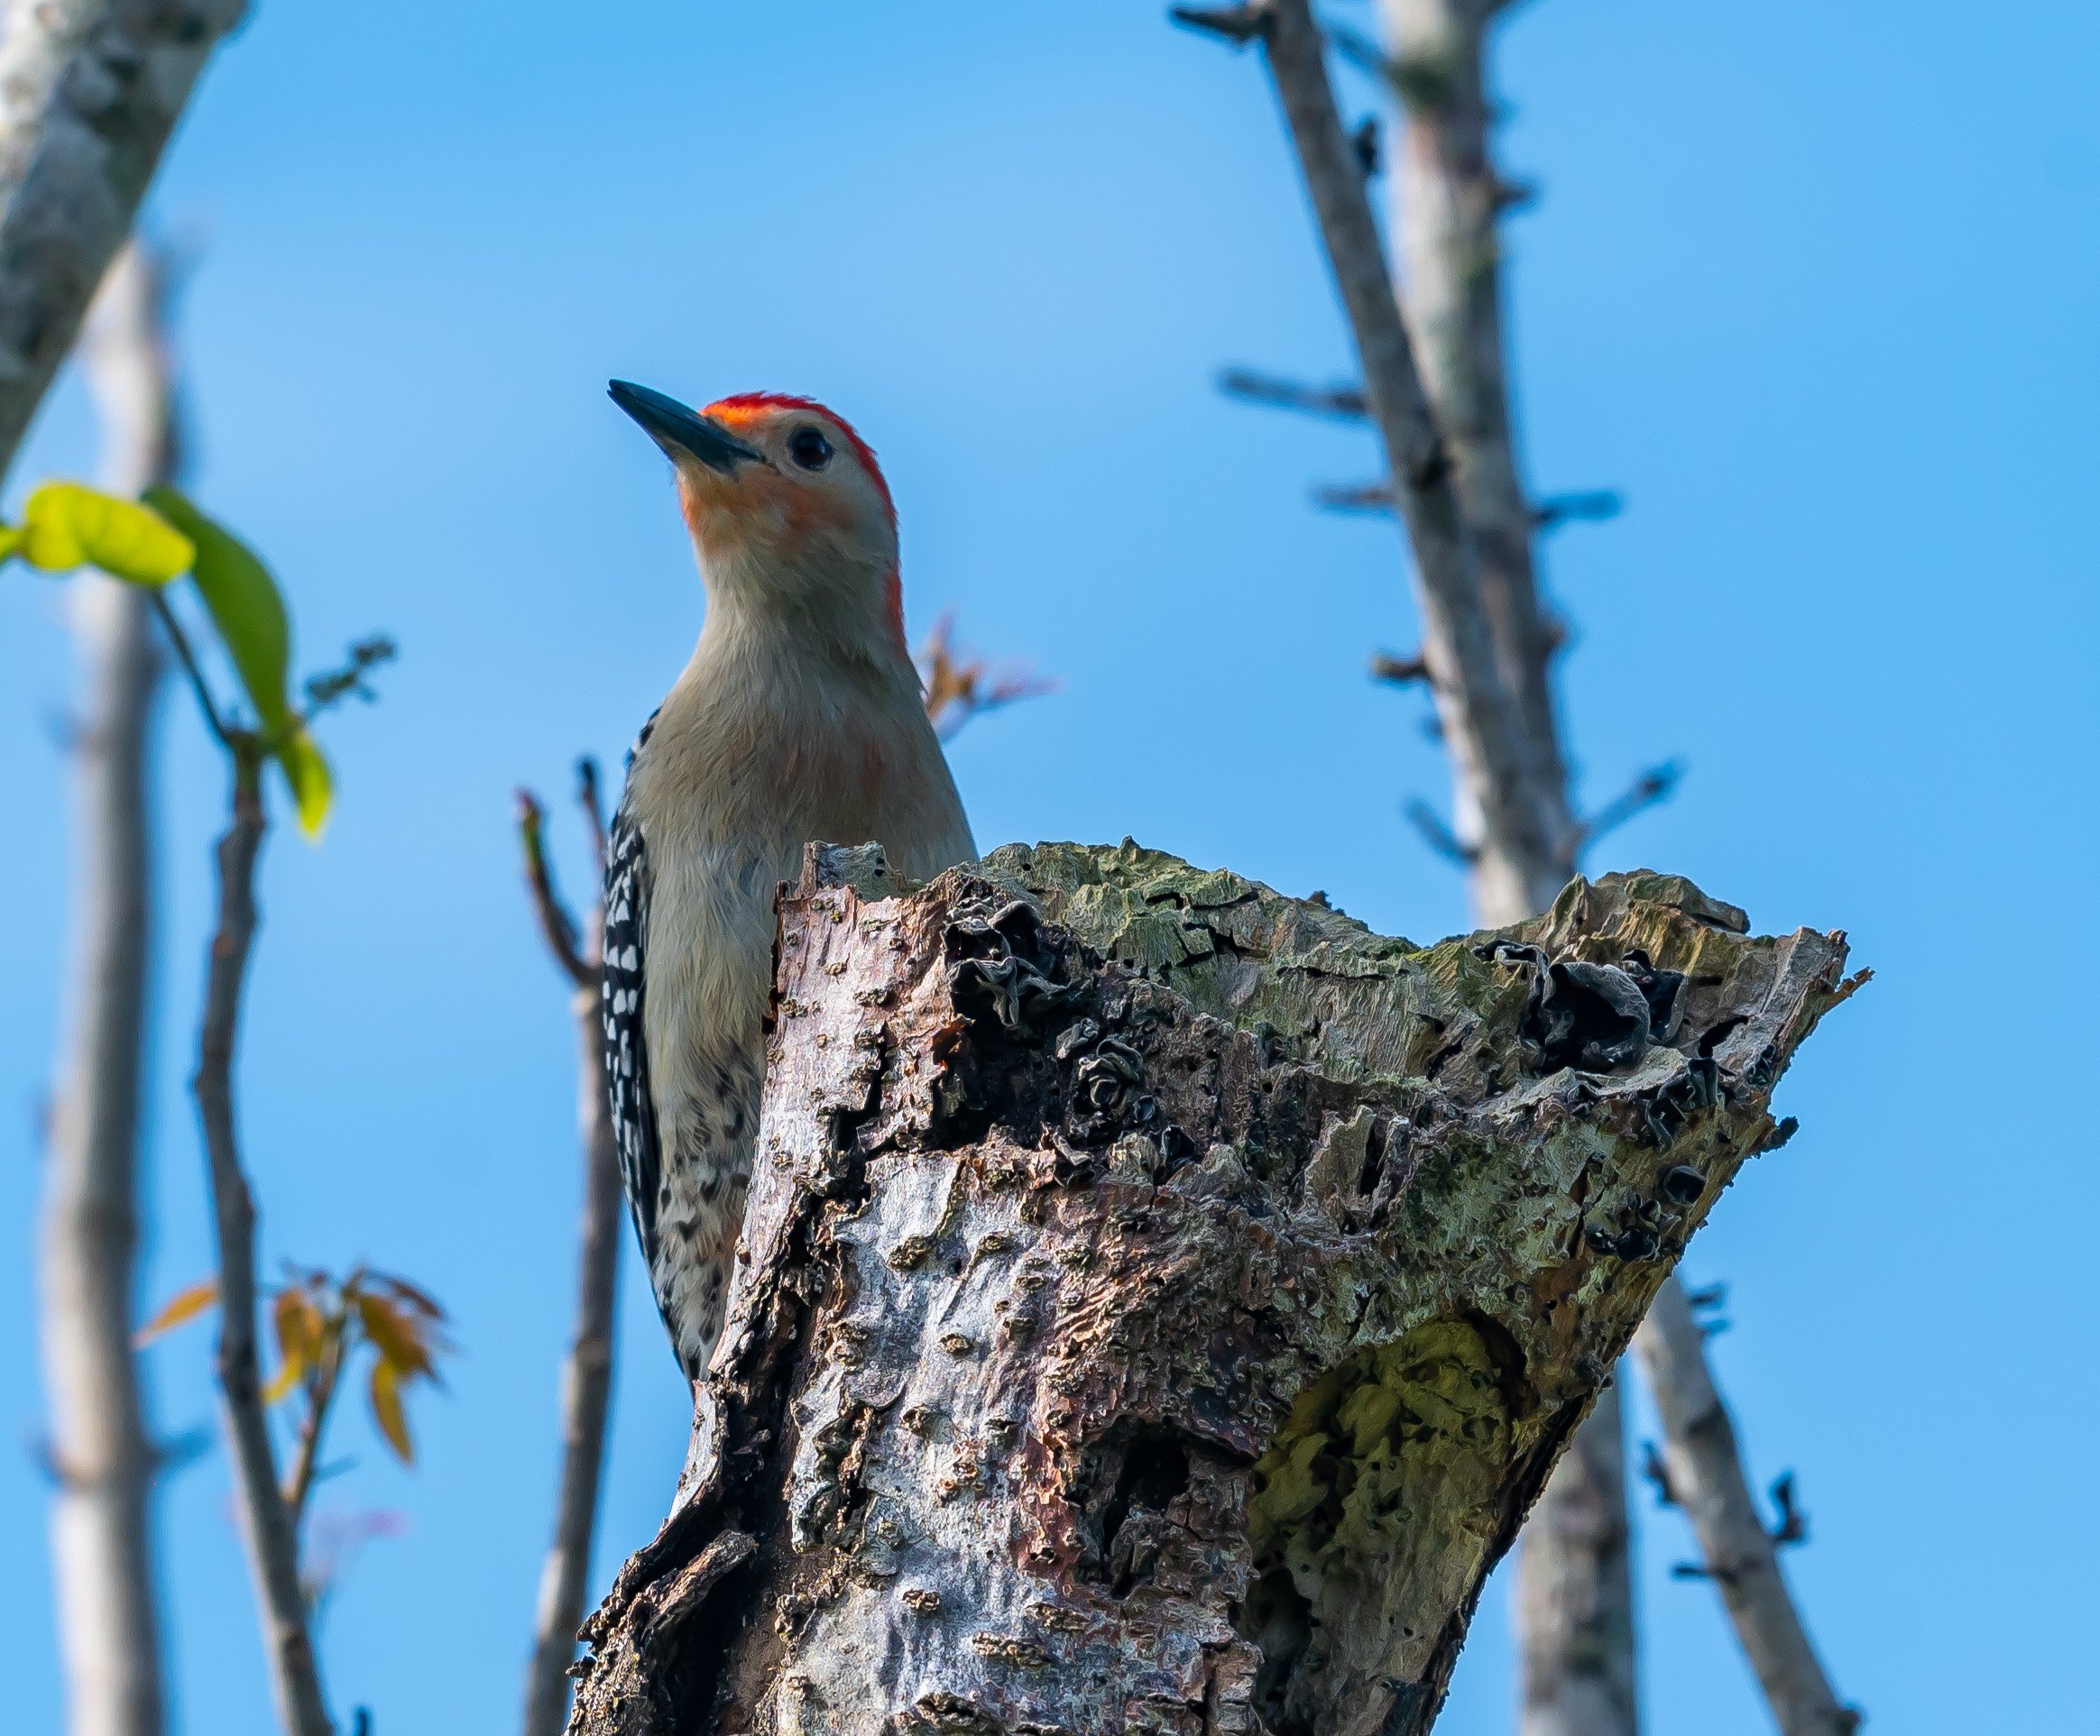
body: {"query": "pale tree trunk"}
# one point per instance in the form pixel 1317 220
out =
pixel 1448 199
pixel 1574 1601
pixel 1525 848
pixel 101 1532
pixel 1574 1594
pixel 89 92
pixel 1573 1605
pixel 1160 1301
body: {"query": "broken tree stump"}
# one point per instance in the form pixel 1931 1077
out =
pixel 1161 1300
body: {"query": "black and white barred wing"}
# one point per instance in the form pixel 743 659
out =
pixel 633 1108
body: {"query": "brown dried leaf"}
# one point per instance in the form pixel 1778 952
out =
pixel 183 1307
pixel 387 1412
pixel 300 1335
pixel 397 1334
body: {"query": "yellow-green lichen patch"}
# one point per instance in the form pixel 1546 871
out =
pixel 1378 1497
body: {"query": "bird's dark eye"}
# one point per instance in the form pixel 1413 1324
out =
pixel 809 448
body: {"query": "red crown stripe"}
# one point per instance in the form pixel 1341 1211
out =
pixel 750 402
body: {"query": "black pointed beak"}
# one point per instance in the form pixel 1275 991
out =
pixel 672 425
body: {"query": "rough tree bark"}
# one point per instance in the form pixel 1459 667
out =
pixel 1703 1470
pixel 101 1532
pixel 586 1376
pixel 89 92
pixel 1160 1299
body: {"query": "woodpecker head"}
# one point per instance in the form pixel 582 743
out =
pixel 787 507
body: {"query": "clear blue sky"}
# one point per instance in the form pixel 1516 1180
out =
pixel 1815 287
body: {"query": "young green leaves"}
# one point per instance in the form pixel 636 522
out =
pixel 248 611
pixel 66 526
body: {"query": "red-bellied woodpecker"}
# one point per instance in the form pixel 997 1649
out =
pixel 798 719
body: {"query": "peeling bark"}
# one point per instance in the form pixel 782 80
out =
pixel 1160 1301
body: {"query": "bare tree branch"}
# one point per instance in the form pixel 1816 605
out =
pixel 185 655
pixel 1704 1471
pixel 101 1519
pixel 592 804
pixel 1236 24
pixel 1354 497
pixel 555 925
pixel 266 1519
pixel 1550 515
pixel 1447 199
pixel 1438 836
pixel 1399 672
pixel 1591 506
pixel 587 1373
pixel 1527 838
pixel 1651 787
pixel 89 92
pixel 1343 404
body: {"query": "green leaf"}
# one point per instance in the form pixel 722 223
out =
pixel 11 538
pixel 248 609
pixel 313 785
pixel 244 604
pixel 68 525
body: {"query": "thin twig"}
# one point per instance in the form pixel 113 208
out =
pixel 1589 506
pixel 1354 497
pixel 1438 836
pixel 1651 787
pixel 331 686
pixel 321 1385
pixel 555 923
pixel 1401 672
pixel 1343 404
pixel 594 807
pixel 1238 24
pixel 587 1372
pixel 187 657
pixel 959 686
pixel 267 1522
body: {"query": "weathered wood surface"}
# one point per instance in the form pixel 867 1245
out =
pixel 1161 1300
